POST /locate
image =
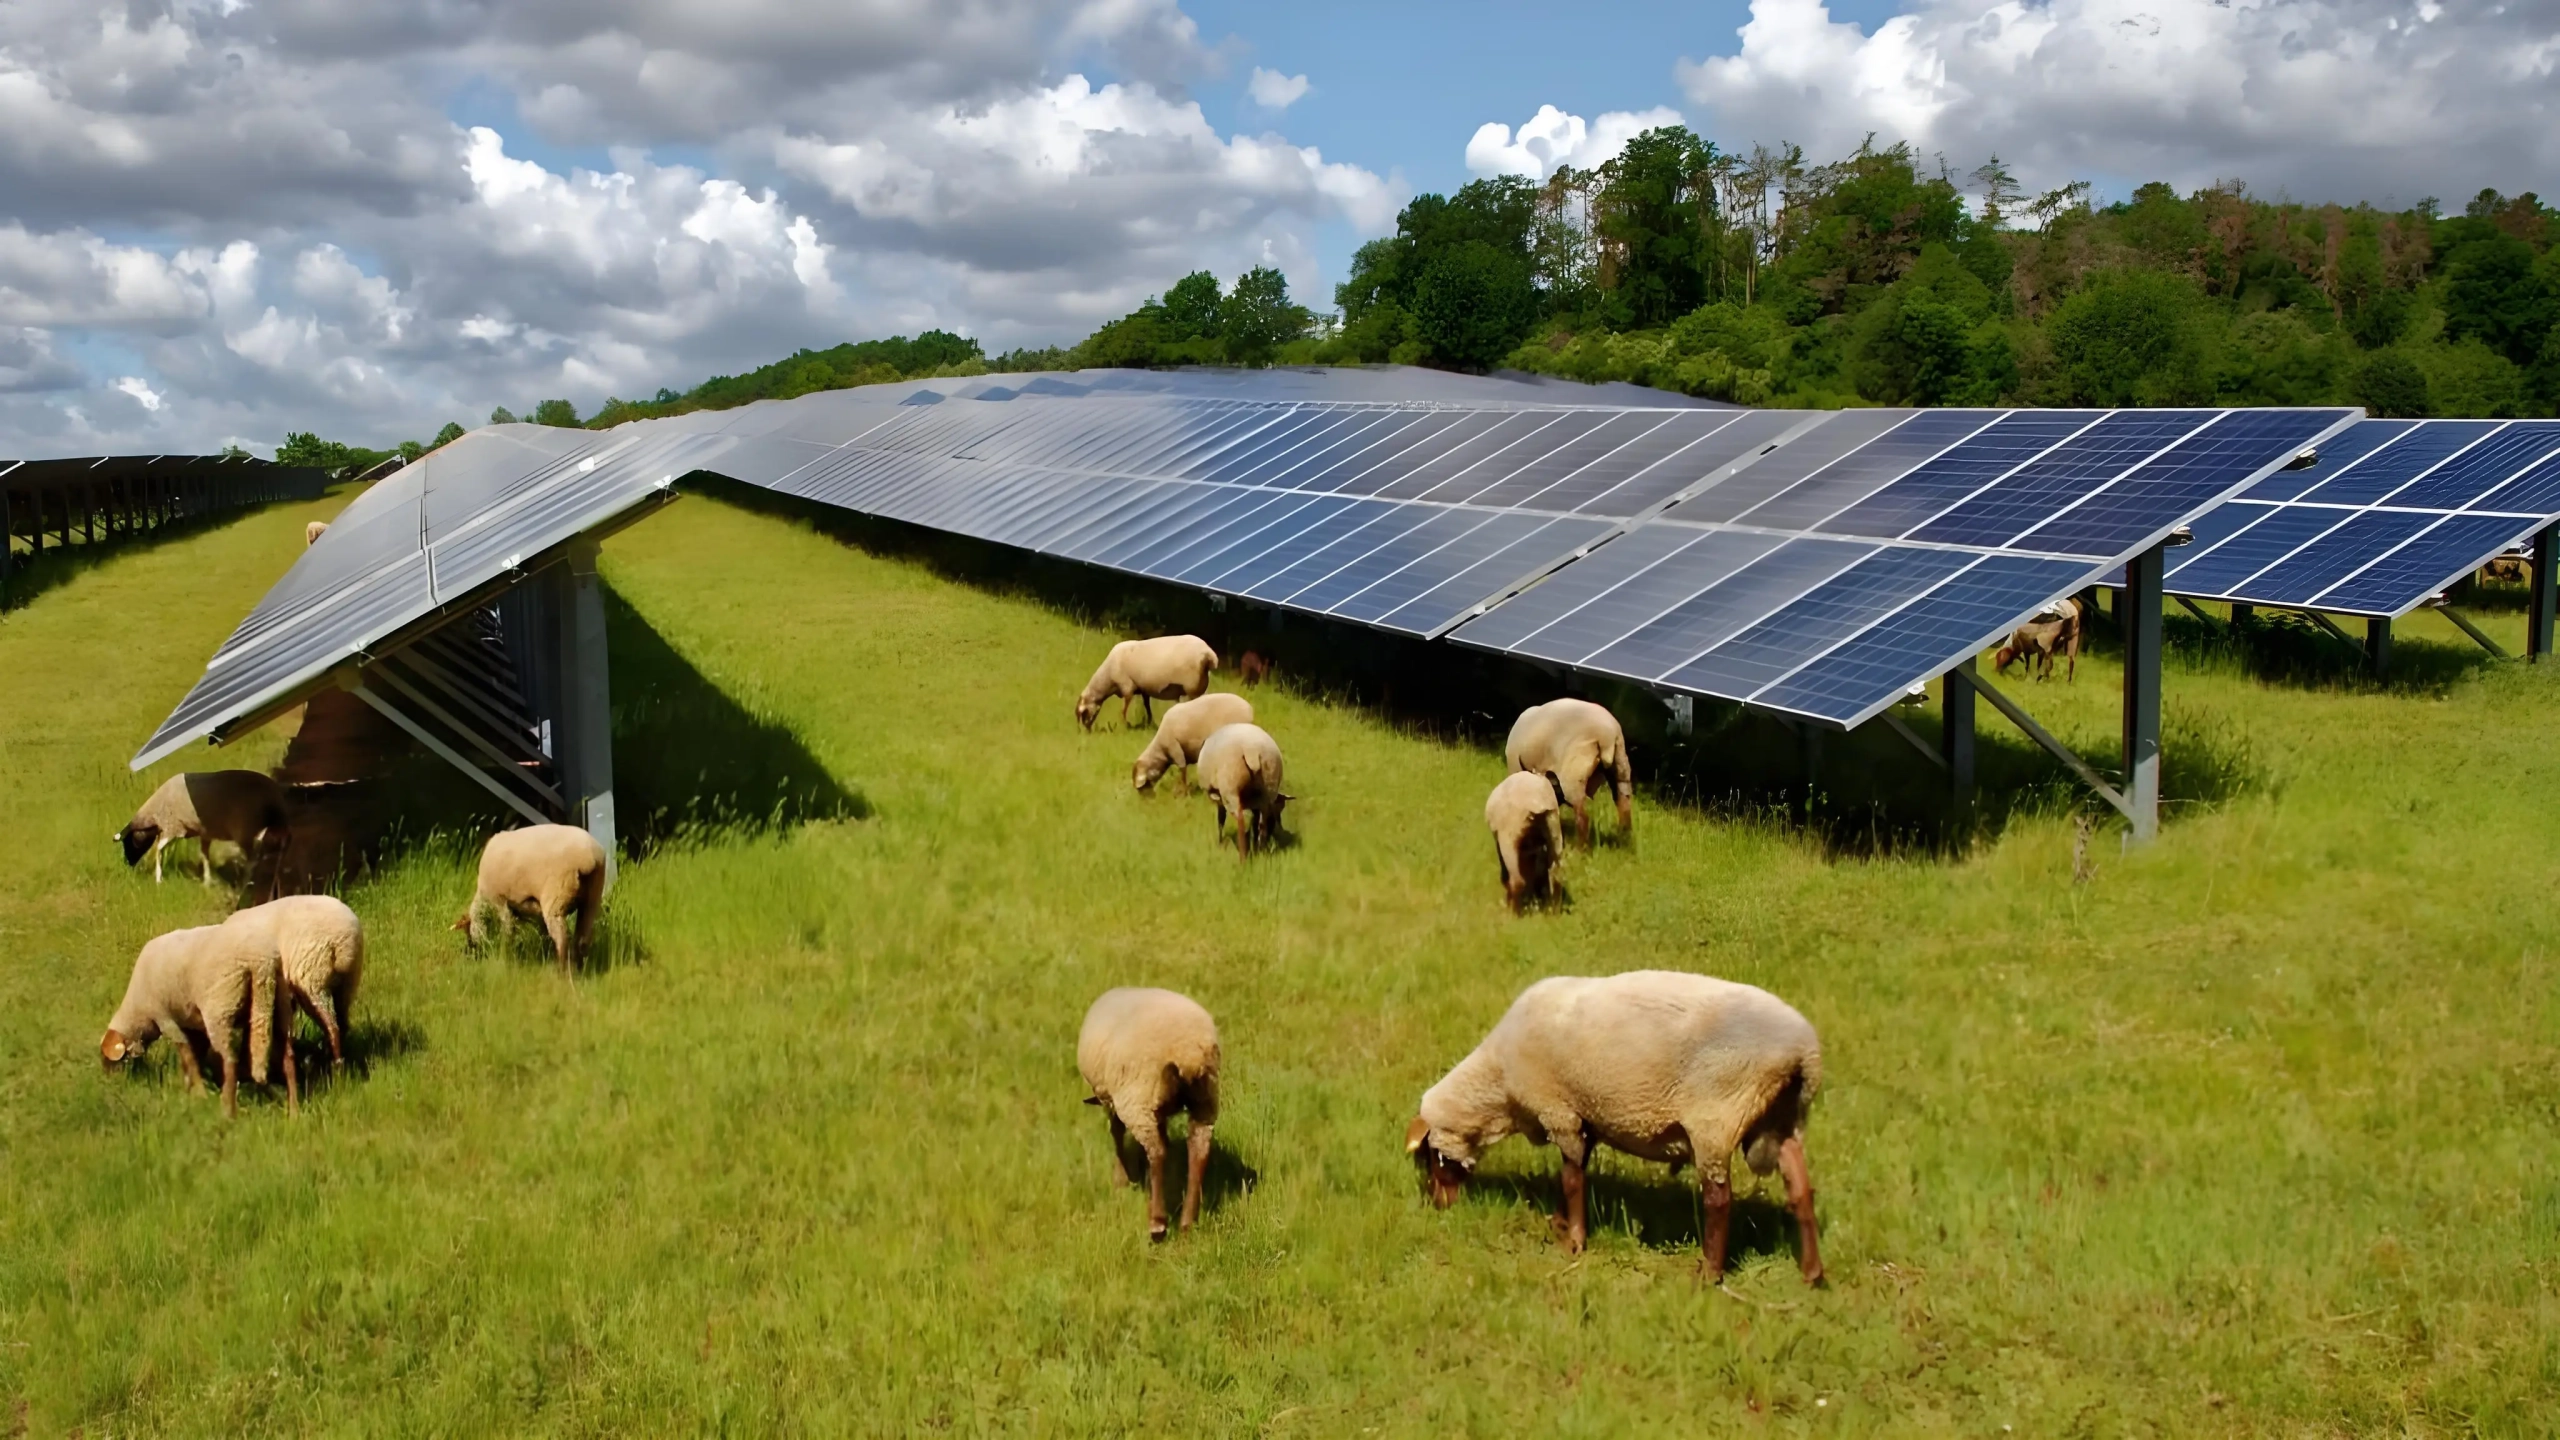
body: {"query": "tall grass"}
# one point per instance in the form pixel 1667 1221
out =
pixel 2249 1133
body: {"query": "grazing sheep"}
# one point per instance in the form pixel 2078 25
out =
pixel 1240 768
pixel 241 806
pixel 2508 568
pixel 1581 745
pixel 1169 667
pixel 201 984
pixel 542 871
pixel 320 944
pixel 2054 630
pixel 312 532
pixel 1654 1063
pixel 1146 1054
pixel 1179 738
pixel 1255 667
pixel 1528 841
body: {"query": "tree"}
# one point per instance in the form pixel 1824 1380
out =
pixel 2391 386
pixel 2495 294
pixel 1473 304
pixel 451 432
pixel 502 416
pixel 556 412
pixel 2129 339
pixel 2000 192
pixel 1191 307
pixel 1654 211
pixel 1258 317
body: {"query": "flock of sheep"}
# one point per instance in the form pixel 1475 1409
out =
pixel 1656 1064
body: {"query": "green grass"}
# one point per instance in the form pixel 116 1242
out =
pixel 2254 1132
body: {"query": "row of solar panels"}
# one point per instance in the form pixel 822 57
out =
pixel 1817 563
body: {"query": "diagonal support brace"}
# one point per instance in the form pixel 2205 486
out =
pixel 444 752
pixel 2033 731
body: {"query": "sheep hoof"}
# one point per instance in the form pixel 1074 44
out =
pixel 1156 1231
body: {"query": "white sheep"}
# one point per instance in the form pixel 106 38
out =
pixel 1186 727
pixel 1146 1054
pixel 202 984
pixel 540 871
pixel 1582 746
pixel 1654 1063
pixel 1169 667
pixel 241 806
pixel 1240 768
pixel 320 944
pixel 1528 841
pixel 312 532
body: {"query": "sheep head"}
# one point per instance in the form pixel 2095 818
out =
pixel 1445 1174
pixel 137 838
pixel 1086 708
pixel 115 1049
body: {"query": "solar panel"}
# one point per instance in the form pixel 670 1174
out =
pixel 2394 512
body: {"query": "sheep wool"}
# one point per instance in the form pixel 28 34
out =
pixel 540 872
pixel 241 806
pixel 1654 1063
pixel 1240 768
pixel 1146 1055
pixel 1169 667
pixel 201 984
pixel 1528 840
pixel 1583 747
pixel 319 944
pixel 1186 728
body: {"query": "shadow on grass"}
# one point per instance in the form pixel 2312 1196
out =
pixel 2281 647
pixel 1659 1211
pixel 518 940
pixel 369 1042
pixel 1227 1178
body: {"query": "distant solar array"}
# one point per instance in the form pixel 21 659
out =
pixel 1819 563
pixel 2394 512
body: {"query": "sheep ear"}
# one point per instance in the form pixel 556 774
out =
pixel 1415 1134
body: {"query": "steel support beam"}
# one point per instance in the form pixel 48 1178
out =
pixel 2463 623
pixel 582 731
pixel 444 752
pixel 2028 727
pixel 2542 616
pixel 2140 624
pixel 1955 737
pixel 2243 614
pixel 2377 643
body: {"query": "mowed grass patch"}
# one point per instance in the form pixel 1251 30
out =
pixel 2250 1133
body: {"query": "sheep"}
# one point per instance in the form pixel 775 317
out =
pixel 1179 738
pixel 312 532
pixel 545 871
pixel 1240 768
pixel 1169 667
pixel 1654 1063
pixel 1528 841
pixel 2055 628
pixel 1577 743
pixel 241 806
pixel 1255 667
pixel 2507 568
pixel 1145 1054
pixel 201 983
pixel 320 944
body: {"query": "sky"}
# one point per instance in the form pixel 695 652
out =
pixel 222 220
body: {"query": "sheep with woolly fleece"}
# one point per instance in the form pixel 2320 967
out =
pixel 1240 768
pixel 2054 630
pixel 1169 667
pixel 312 532
pixel 1654 1063
pixel 200 985
pixel 320 944
pixel 1528 840
pixel 540 872
pixel 1186 727
pixel 241 806
pixel 1147 1054
pixel 1578 743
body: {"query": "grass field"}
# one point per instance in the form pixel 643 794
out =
pixel 2254 1132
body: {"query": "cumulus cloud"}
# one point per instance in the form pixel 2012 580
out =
pixel 1274 91
pixel 140 392
pixel 1551 139
pixel 28 363
pixel 2323 99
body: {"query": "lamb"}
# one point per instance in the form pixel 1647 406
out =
pixel 1145 1054
pixel 1169 667
pixel 1654 1063
pixel 200 984
pixel 320 944
pixel 2055 629
pixel 241 806
pixel 1240 768
pixel 312 532
pixel 1578 743
pixel 1179 738
pixel 1528 841
pixel 545 871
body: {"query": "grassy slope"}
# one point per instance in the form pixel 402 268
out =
pixel 2252 1133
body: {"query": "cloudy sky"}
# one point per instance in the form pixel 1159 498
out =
pixel 223 219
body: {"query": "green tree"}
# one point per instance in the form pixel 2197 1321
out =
pixel 1473 304
pixel 556 412
pixel 503 416
pixel 1654 212
pixel 2496 294
pixel 451 432
pixel 1191 307
pixel 2130 339
pixel 2391 385
pixel 1258 317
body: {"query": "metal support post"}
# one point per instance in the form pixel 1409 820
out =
pixel 2242 614
pixel 2543 614
pixel 2138 605
pixel 2377 643
pixel 1955 739
pixel 1809 742
pixel 582 732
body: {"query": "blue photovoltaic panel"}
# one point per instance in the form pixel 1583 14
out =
pixel 1968 611
pixel 2394 512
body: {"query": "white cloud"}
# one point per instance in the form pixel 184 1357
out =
pixel 28 364
pixel 1551 139
pixel 1274 91
pixel 141 391
pixel 2322 99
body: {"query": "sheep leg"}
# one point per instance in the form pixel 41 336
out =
pixel 204 855
pixel 187 1062
pixel 328 1024
pixel 1791 1164
pixel 1198 1141
pixel 1119 1149
pixel 1150 1133
pixel 292 1071
pixel 157 848
pixel 1147 703
pixel 230 1081
pixel 1576 1205
pixel 557 923
pixel 1719 1197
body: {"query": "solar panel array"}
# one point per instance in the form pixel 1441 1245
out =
pixel 2396 511
pixel 1817 562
